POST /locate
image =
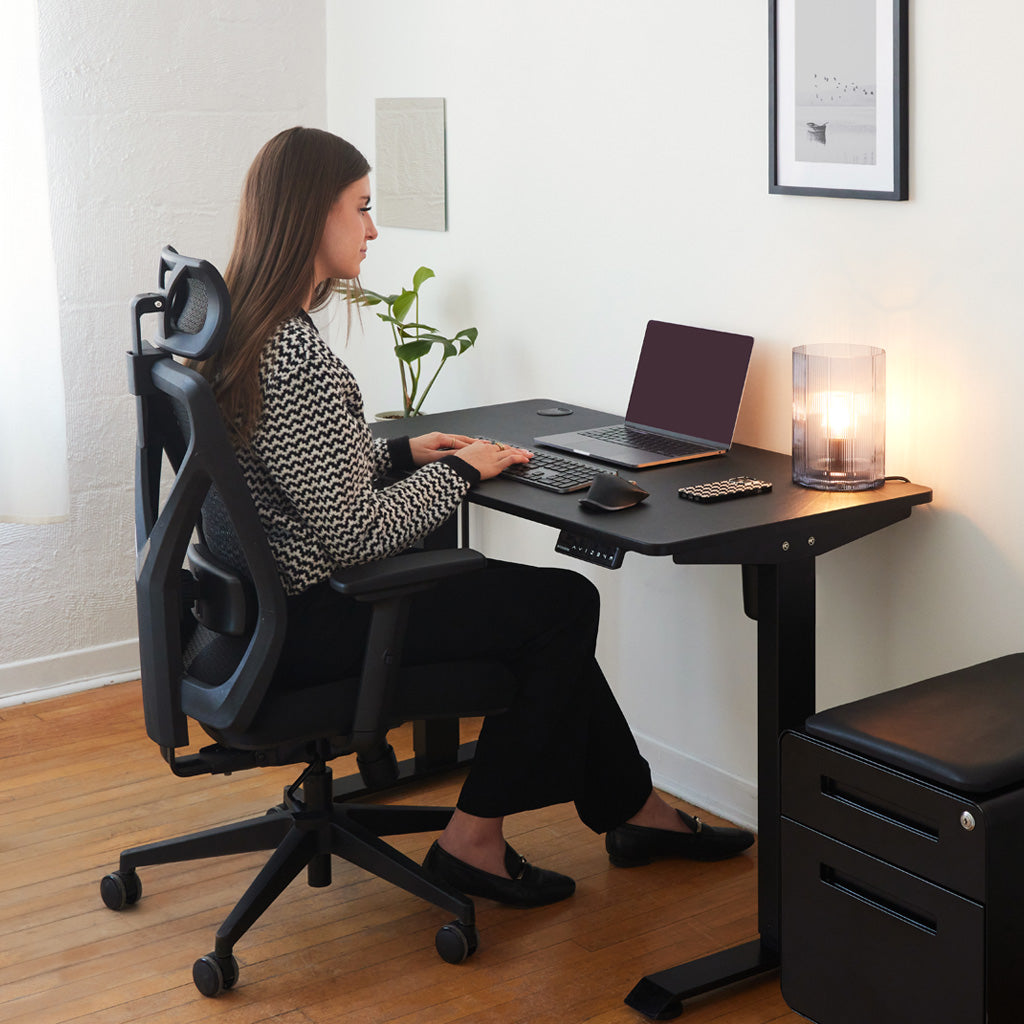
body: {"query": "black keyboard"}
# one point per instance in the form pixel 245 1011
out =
pixel 558 473
pixel 652 442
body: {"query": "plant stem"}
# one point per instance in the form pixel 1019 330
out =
pixel 426 390
pixel 401 369
pixel 410 409
pixel 414 372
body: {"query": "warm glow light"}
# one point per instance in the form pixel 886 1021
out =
pixel 838 421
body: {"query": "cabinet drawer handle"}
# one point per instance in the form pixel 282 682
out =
pixel 834 790
pixel 864 894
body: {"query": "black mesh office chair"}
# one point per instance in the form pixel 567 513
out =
pixel 210 632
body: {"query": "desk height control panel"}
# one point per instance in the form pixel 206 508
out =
pixel 589 549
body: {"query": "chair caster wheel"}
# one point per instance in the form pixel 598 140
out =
pixel 121 889
pixel 213 974
pixel 456 942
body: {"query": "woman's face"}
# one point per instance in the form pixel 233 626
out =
pixel 347 230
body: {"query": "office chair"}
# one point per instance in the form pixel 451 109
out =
pixel 211 627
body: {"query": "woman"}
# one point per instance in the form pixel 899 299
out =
pixel 300 432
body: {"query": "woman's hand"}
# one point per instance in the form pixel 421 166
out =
pixel 489 458
pixel 431 447
pixel 486 457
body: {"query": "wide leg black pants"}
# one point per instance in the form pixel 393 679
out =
pixel 563 739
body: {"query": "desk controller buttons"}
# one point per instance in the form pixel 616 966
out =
pixel 589 549
pixel 723 490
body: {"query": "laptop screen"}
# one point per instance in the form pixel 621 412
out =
pixel 689 380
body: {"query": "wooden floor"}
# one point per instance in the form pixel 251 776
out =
pixel 79 781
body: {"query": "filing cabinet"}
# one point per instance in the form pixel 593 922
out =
pixel 902 855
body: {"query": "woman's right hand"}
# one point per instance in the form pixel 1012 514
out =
pixel 490 458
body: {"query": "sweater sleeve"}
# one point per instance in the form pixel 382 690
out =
pixel 316 447
pixel 391 453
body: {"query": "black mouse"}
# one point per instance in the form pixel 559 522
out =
pixel 610 493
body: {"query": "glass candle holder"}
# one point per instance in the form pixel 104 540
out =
pixel 839 417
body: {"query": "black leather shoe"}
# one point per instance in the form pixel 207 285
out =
pixel 529 886
pixel 629 846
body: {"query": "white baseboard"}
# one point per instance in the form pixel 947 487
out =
pixel 41 678
pixel 700 783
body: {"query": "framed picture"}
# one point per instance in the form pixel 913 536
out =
pixel 838 98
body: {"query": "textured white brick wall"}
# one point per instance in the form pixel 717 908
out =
pixel 153 112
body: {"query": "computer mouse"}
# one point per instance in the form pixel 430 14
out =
pixel 610 492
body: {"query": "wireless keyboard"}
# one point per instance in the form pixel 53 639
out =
pixel 552 472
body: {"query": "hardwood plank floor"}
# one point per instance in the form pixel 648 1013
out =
pixel 79 781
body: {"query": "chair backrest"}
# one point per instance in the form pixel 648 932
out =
pixel 185 594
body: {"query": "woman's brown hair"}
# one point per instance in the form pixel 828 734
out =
pixel 288 192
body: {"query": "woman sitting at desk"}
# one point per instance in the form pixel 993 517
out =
pixel 297 419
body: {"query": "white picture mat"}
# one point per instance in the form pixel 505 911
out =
pixel 879 177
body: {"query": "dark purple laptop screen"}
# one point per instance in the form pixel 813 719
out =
pixel 689 380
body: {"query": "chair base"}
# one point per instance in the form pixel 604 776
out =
pixel 304 835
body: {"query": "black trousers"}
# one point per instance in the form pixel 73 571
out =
pixel 563 739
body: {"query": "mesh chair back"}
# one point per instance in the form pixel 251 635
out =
pixel 184 602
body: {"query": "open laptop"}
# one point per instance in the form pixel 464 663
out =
pixel 684 403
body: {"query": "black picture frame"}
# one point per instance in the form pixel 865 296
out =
pixel 854 67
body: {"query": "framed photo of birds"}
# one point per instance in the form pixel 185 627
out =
pixel 838 98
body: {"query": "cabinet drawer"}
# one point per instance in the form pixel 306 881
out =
pixel 863 941
pixel 885 813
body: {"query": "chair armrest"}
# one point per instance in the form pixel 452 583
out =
pixel 389 585
pixel 408 572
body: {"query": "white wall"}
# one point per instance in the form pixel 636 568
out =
pixel 153 113
pixel 607 164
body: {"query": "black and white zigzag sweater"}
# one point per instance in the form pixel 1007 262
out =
pixel 312 464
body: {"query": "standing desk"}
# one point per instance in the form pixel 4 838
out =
pixel 775 537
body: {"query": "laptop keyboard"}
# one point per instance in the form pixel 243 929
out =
pixel 552 472
pixel 659 443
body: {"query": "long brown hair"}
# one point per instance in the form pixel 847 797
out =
pixel 288 192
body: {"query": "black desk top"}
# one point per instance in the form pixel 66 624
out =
pixel 790 522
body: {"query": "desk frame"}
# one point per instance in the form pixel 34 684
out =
pixel 776 539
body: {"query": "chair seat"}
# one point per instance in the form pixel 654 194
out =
pixel 463 689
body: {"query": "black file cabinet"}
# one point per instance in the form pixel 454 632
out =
pixel 902 856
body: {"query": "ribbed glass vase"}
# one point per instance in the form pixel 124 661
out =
pixel 839 417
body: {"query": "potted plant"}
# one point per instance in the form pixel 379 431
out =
pixel 414 339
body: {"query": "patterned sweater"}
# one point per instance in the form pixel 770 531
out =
pixel 312 467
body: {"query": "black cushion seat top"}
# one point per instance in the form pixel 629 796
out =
pixel 963 730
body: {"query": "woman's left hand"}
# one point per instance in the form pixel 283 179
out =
pixel 431 447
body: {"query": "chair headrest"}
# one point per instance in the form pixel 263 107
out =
pixel 195 306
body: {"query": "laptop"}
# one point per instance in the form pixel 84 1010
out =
pixel 684 403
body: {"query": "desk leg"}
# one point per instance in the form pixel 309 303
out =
pixel 785 697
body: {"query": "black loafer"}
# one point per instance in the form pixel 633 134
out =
pixel 629 846
pixel 529 886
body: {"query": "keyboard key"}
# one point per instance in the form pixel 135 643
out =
pixel 620 433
